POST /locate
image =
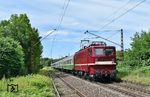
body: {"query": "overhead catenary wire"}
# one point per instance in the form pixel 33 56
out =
pixel 63 14
pixel 113 34
pixel 113 13
pixel 44 37
pixel 119 9
pixel 60 22
pixel 102 38
pixel 113 21
pixel 121 15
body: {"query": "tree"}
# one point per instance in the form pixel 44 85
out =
pixel 11 57
pixel 19 28
pixel 140 50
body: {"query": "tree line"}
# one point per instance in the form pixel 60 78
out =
pixel 18 52
pixel 48 61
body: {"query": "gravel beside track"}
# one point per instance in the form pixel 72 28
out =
pixel 65 90
pixel 129 91
pixel 139 89
pixel 96 89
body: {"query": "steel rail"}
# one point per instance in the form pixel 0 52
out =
pixel 56 90
pixel 70 86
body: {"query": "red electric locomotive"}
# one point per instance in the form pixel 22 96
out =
pixel 96 61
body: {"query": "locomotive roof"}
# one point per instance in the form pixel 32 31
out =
pixel 96 46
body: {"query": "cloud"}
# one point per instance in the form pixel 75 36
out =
pixel 80 16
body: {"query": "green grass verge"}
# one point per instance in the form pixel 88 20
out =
pixel 29 86
pixel 134 74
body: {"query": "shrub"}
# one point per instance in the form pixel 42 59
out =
pixel 46 71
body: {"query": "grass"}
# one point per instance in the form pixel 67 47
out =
pixel 136 74
pixel 28 86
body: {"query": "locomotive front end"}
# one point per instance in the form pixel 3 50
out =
pixel 105 62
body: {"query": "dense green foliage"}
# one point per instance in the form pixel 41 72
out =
pixel 11 57
pixel 45 62
pixel 139 54
pixel 28 86
pixel 47 71
pixel 48 61
pixel 136 65
pixel 19 28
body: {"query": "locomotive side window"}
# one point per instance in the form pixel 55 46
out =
pixel 99 51
pixel 90 51
pixel 109 51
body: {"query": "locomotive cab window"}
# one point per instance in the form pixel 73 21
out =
pixel 109 51
pixel 99 51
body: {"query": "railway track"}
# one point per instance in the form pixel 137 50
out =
pixel 134 87
pixel 56 90
pixel 127 90
pixel 89 89
pixel 124 88
pixel 68 89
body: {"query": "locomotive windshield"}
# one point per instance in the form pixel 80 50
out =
pixel 100 51
pixel 109 51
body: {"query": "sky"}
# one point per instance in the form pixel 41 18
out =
pixel 80 16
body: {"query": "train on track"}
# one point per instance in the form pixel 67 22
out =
pixel 96 61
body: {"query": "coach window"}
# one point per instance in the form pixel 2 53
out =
pixel 69 61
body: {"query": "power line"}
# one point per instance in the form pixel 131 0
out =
pixel 113 13
pixel 63 14
pixel 60 22
pixel 120 8
pixel 102 38
pixel 48 34
pixel 116 32
pixel 122 15
pixel 44 37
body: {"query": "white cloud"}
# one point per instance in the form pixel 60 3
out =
pixel 80 16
